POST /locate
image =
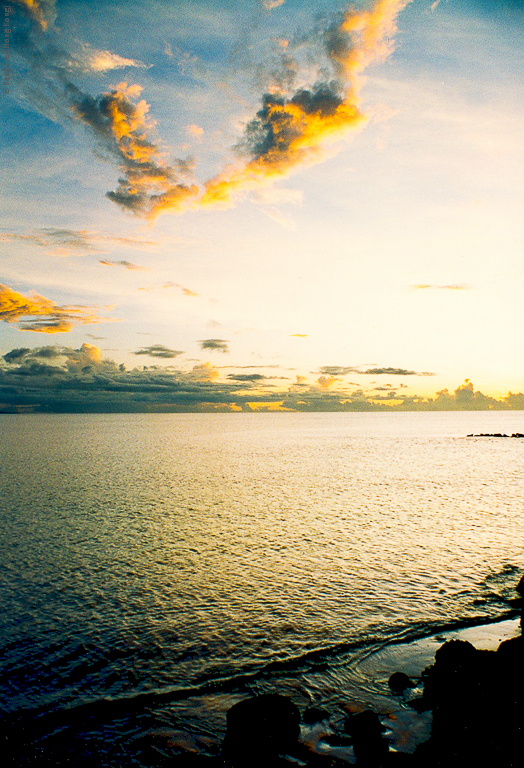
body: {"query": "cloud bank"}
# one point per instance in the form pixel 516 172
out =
pixel 64 379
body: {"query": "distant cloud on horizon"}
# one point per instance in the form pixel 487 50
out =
pixel 338 370
pixel 64 379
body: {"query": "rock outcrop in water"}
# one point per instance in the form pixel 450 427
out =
pixel 497 434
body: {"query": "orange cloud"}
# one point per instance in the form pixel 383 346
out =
pixel 41 11
pixel 204 372
pixel 47 317
pixel 121 124
pixel 451 287
pixel 325 382
pixel 290 131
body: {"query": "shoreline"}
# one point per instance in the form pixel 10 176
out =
pixel 323 738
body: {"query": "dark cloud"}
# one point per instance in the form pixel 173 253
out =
pixel 246 376
pixel 216 345
pixel 158 350
pixel 81 381
pixel 394 372
pixel 337 370
pixel 16 355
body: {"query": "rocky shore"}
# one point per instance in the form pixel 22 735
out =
pixel 472 700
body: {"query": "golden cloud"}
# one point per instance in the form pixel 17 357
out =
pixel 46 316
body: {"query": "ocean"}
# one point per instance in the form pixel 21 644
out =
pixel 158 567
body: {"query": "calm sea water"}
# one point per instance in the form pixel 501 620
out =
pixel 155 567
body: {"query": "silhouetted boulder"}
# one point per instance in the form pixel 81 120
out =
pixel 260 729
pixel 399 682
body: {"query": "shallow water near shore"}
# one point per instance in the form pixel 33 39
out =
pixel 159 567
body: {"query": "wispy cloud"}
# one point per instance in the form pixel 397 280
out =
pixel 43 12
pixel 122 263
pixel 170 284
pixel 70 242
pixel 45 316
pixel 339 370
pixel 395 372
pixel 92 60
pixel 450 287
pixel 270 4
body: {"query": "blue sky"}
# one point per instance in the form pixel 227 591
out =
pixel 370 253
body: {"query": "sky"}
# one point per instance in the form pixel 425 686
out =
pixel 261 205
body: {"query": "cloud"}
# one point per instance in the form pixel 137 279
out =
pixel 116 118
pixel 41 11
pixel 67 242
pixel 47 317
pixel 122 263
pixel 92 60
pixel 299 335
pixel 270 4
pixel 217 345
pixel 79 380
pixel 246 377
pixel 395 372
pixel 325 382
pixel 121 126
pixel 158 350
pixel 61 242
pixel 185 291
pixel 339 370
pixel 290 129
pixel 194 130
pixel 451 287
pixel 204 372
pixel 16 355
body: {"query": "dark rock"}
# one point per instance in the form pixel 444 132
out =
pixel 260 729
pixel 315 715
pixel 520 587
pixel 369 745
pixel 420 704
pixel 399 682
